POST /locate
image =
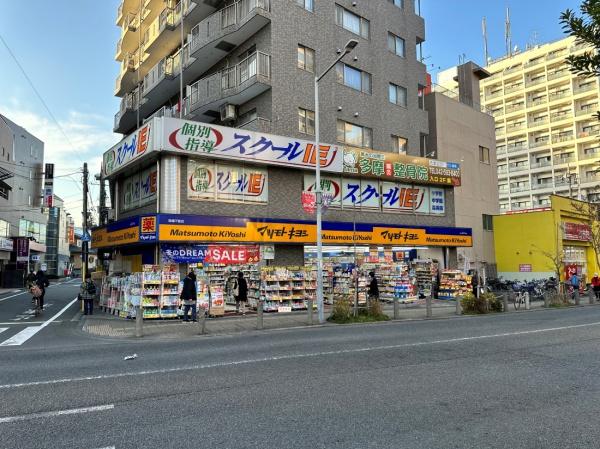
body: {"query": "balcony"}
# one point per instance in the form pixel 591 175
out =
pixel 564 160
pixel 542 185
pixel 592 178
pixel 501 150
pixel 587 109
pixel 162 74
pixel 591 132
pixel 511 89
pixel 511 128
pixel 236 85
pixel 553 96
pixel 558 74
pixel 517 168
pixel 517 189
pixel 165 111
pixel 540 164
pixel 558 116
pixel 540 143
pixel 214 37
pixel 514 107
pixel 537 102
pixel 556 54
pixel 539 122
pixel 584 88
pixel 580 46
pixel 594 154
pixel 535 82
pixel 259 124
pixel 493 95
pixel 125 118
pixel 502 170
pixel 562 138
pixel 513 148
pixel 127 78
pixel 518 206
pixel 533 62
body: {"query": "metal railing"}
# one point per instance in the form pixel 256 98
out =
pixel 214 86
pixel 165 111
pixel 502 170
pixel 455 96
pixel 514 127
pixel 533 62
pixel 535 82
pixel 587 109
pixel 556 116
pixel 166 68
pixel 562 138
pixel 556 54
pixel 563 160
pixel 579 46
pixel 513 88
pixel 591 132
pixel 592 178
pixel 557 74
pixel 132 22
pixel 514 107
pixel 542 185
pixel 258 124
pixel 493 95
pixel 229 16
pixel 520 189
pixel 584 88
pixel 558 95
pixel 540 143
pixel 514 148
pixel 128 103
pixel 591 155
pixel 541 164
pixel 512 69
pixel 539 122
pixel 516 168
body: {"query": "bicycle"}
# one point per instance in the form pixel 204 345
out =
pixel 37 294
pixel 521 297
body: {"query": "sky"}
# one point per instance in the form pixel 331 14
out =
pixel 67 48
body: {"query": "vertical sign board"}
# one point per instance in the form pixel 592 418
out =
pixel 22 249
pixel 48 185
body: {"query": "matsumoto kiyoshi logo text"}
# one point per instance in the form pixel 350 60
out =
pixel 400 236
pixel 285 231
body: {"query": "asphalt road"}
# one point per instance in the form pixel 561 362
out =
pixel 526 380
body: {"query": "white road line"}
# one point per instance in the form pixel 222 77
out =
pixel 73 411
pixel 2 329
pixel 28 332
pixel 12 296
pixel 287 357
pixel 23 324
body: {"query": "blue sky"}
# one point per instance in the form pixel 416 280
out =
pixel 67 48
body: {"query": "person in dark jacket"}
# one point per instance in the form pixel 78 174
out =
pixel 42 282
pixel 189 296
pixel 373 290
pixel 240 293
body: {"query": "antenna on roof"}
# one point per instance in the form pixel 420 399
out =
pixel 507 34
pixel 485 40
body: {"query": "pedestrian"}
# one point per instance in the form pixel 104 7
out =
pixel 475 283
pixel 574 282
pixel 596 285
pixel 30 279
pixel 87 294
pixel 42 282
pixel 373 291
pixel 240 293
pixel 189 296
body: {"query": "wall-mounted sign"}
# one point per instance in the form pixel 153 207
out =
pixel 22 249
pixel 6 244
pixel 386 196
pixel 217 254
pixel 48 185
pixel 139 189
pixel 223 182
pixel 577 231
pixel 128 149
pixel 525 268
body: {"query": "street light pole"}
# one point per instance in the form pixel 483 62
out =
pixel 352 43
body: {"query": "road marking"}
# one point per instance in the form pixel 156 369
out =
pixel 73 411
pixel 28 332
pixel 287 357
pixel 23 324
pixel 12 296
pixel 2 329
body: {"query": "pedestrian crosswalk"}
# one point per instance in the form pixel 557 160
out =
pixel 21 337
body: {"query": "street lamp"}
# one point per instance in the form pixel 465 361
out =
pixel 351 45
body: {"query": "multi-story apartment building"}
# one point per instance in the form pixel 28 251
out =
pixel 57 239
pixel 21 216
pixel 547 137
pixel 250 64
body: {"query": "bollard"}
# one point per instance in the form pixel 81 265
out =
pixel 139 322
pixel 429 311
pixel 259 315
pixel 202 321
pixel 546 300
pixel 505 302
pixel 527 304
pixel 458 306
pixel 396 309
pixel 576 294
pixel 591 295
pixel 309 305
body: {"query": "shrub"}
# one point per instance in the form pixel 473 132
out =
pixel 487 302
pixel 495 302
pixel 375 308
pixel 468 303
pixel 342 310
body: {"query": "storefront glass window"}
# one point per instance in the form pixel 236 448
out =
pixel 4 228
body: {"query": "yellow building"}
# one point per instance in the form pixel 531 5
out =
pixel 526 242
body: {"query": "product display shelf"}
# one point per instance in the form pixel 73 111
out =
pixel 285 289
pixel 169 299
pixel 453 284
pixel 151 292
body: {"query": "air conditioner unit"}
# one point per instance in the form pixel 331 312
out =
pixel 228 113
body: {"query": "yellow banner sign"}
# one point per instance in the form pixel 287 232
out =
pixel 102 237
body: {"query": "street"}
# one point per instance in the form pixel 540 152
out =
pixel 520 380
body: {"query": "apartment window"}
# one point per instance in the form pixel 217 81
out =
pixel 306 58
pixel 396 45
pixel 306 121
pixel 309 5
pixel 354 78
pixel 484 155
pixel 398 3
pixel 4 228
pixel 488 222
pixel 355 135
pixel 400 144
pixel 397 95
pixel 351 22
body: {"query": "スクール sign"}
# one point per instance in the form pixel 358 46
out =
pixel 128 150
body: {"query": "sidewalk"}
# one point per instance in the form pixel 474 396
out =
pixel 106 325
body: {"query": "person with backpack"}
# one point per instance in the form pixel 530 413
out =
pixel 87 293
pixel 189 296
pixel 240 293
pixel 42 282
pixel 373 290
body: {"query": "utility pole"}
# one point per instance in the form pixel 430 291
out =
pixel 85 244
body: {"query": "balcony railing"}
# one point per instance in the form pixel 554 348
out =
pixel 584 88
pixel 541 164
pixel 165 111
pixel 229 16
pixel 513 88
pixel 553 96
pixel 535 82
pixel 128 103
pixel 579 46
pixel 590 132
pixel 514 107
pixel 538 122
pixel 542 185
pixel 517 189
pixel 166 68
pixel 493 95
pixel 563 160
pixel 512 69
pixel 592 178
pixel 537 102
pixel 514 148
pixel 587 109
pixel 516 168
pixel 557 74
pixel 557 116
pixel 258 124
pixel 556 54
pixel 533 62
pixel 591 154
pixel 562 138
pixel 501 150
pixel 214 86
pixel 132 22
pixel 502 170
pixel 540 143
pixel 514 127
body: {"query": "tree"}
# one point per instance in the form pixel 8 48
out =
pixel 586 29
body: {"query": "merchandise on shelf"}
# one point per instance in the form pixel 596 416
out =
pixel 284 289
pixel 169 299
pixel 453 283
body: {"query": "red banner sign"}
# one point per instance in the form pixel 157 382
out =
pixel 525 268
pixel 309 202
pixel 232 255
pixel 577 231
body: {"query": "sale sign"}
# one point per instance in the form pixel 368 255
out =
pixel 216 254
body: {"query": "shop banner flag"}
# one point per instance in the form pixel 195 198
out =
pixel 309 202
